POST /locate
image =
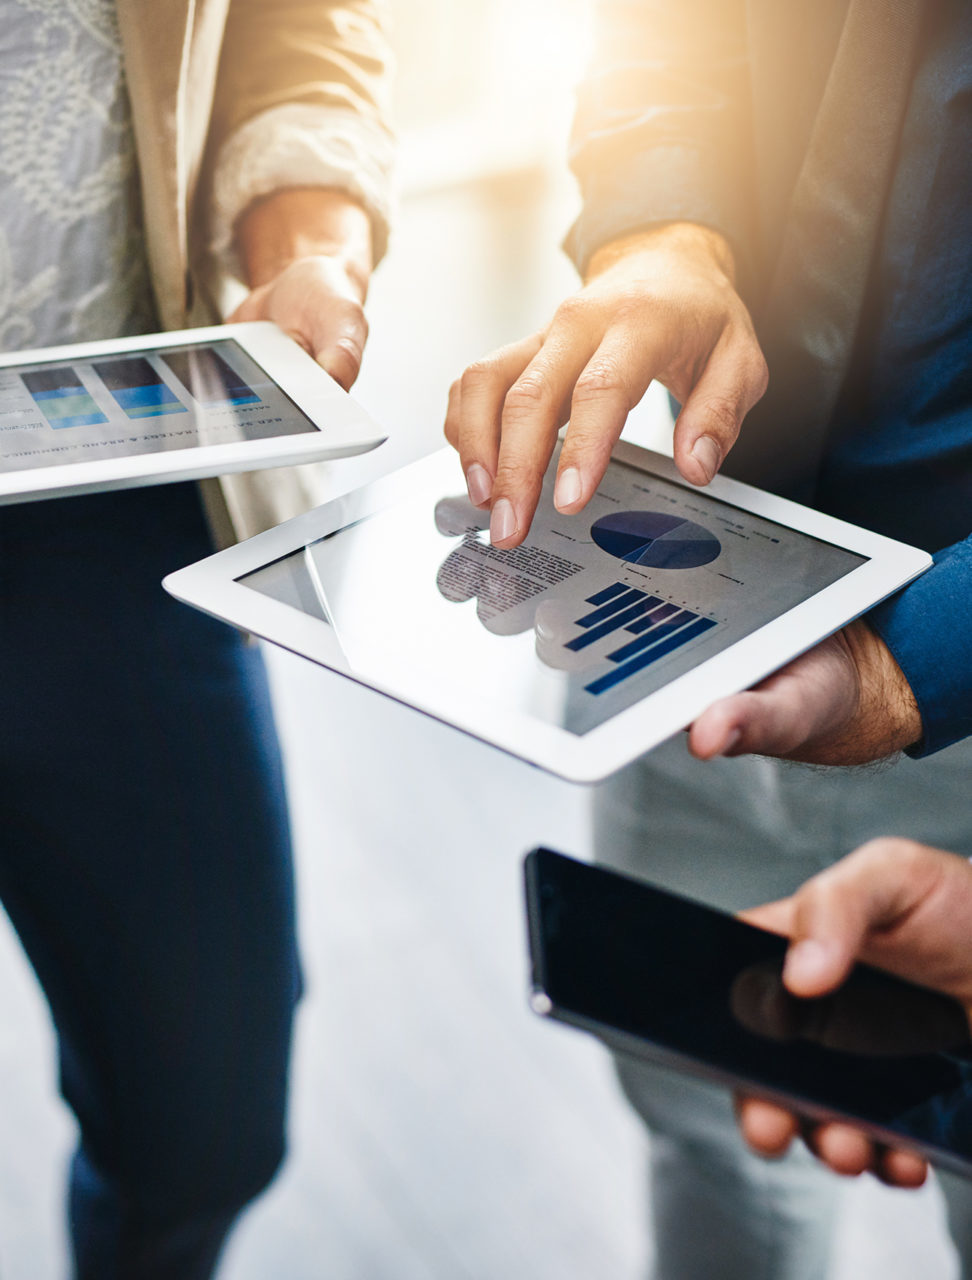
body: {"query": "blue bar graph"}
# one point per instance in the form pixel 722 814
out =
pixel 138 388
pixel 657 615
pixel 614 623
pixel 207 376
pixel 629 596
pixel 607 594
pixel 653 654
pixel 648 638
pixel 62 397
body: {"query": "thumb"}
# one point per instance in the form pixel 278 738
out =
pixel 834 915
pixel 338 341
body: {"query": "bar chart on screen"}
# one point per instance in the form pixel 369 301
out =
pixel 138 388
pixel 658 627
pixel 63 398
pixel 208 378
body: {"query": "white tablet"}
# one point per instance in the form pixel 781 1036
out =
pixel 603 634
pixel 173 406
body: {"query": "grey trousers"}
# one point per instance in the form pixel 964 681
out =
pixel 734 833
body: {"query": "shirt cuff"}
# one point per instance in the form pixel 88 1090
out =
pixel 928 628
pixel 299 145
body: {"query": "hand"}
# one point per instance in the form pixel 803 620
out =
pixel 307 256
pixel 896 904
pixel 844 702
pixel 661 304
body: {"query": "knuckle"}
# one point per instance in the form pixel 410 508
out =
pixel 757 370
pixel 520 470
pixel 530 392
pixel 723 415
pixel 574 310
pixel 724 297
pixel 898 847
pixel 599 381
pixel 634 304
pixel 478 375
pixel 513 479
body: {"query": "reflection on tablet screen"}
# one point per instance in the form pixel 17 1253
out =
pixel 592 613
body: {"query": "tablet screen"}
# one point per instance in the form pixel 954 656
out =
pixel 592 613
pixel 139 402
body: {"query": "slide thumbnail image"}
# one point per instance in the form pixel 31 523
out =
pixel 61 397
pixel 136 386
pixel 208 378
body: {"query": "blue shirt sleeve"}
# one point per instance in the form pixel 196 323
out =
pixel 928 628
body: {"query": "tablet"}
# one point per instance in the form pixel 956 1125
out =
pixel 657 976
pixel 163 407
pixel 604 633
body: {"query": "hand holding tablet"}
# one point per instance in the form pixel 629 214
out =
pixel 600 636
pixel 175 406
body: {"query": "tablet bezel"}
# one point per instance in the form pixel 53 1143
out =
pixel 343 427
pixel 212 585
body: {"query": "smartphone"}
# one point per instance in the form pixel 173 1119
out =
pixel 664 978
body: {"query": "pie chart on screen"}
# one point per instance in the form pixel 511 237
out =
pixel 655 539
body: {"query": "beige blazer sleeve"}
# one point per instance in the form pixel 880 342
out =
pixel 232 99
pixel 301 99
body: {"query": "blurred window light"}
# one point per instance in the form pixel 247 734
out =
pixel 486 87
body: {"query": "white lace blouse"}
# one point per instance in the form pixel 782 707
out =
pixel 72 258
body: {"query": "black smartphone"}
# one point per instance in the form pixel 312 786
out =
pixel 659 976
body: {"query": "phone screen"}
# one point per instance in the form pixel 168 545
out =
pixel 614 955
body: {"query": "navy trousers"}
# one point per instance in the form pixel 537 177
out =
pixel 145 863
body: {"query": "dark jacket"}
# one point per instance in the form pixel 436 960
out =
pixel 779 122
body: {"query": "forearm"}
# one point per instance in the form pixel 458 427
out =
pixel 888 719
pixel 305 222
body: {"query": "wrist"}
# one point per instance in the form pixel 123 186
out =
pixel 305 222
pixel 890 717
pixel 688 239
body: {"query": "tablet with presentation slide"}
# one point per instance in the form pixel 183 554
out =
pixel 162 407
pixel 604 633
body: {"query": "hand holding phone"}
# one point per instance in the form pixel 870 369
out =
pixel 906 907
pixel 659 976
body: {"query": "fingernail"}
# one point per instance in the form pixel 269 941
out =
pixel 707 454
pixel 731 741
pixel 807 963
pixel 479 484
pixel 502 521
pixel 568 488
